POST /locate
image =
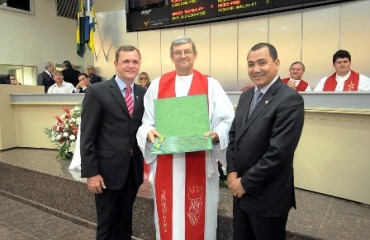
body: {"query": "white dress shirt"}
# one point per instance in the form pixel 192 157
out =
pixel 65 87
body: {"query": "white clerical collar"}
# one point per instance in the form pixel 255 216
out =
pixel 344 77
pixel 184 78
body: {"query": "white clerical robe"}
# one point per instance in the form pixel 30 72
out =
pixel 221 115
pixel 363 84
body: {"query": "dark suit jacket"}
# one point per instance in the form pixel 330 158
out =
pixel 261 149
pixel 71 75
pixel 45 80
pixel 108 134
pixel 95 79
pixel 4 79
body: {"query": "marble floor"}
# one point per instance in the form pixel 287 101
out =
pixel 317 216
pixel 22 222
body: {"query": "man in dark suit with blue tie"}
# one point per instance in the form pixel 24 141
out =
pixel 110 157
pixel 261 150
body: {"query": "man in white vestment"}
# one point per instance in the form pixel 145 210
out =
pixel 344 79
pixel 186 185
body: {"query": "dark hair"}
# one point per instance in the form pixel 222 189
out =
pixel 341 54
pixel 298 62
pixel 271 48
pixel 83 74
pixel 67 64
pixel 126 48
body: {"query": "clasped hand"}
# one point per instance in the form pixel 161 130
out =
pixel 235 185
pixel 96 184
pixel 291 84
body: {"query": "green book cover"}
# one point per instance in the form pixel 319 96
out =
pixel 182 122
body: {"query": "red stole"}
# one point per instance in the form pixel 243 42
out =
pixel 195 182
pixel 351 84
pixel 301 87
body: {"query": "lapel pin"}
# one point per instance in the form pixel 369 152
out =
pixel 267 101
pixel 137 97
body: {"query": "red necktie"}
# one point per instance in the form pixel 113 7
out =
pixel 128 99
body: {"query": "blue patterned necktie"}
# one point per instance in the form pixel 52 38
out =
pixel 256 97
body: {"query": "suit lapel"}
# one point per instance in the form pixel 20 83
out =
pixel 138 97
pixel 247 103
pixel 264 102
pixel 117 95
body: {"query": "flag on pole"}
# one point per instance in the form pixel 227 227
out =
pixel 90 13
pixel 85 26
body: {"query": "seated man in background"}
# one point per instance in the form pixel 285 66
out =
pixel 295 81
pixel 344 79
pixel 60 86
pixel 93 77
pixel 144 80
pixel 83 83
pixel 13 80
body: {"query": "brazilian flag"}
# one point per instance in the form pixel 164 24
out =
pixel 85 27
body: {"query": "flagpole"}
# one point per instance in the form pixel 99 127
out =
pixel 101 42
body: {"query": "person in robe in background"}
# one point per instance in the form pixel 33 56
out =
pixel 180 180
pixel 295 81
pixel 344 79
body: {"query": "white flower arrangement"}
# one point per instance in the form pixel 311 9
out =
pixel 64 132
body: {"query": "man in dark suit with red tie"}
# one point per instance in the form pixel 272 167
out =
pixel 110 157
pixel 261 150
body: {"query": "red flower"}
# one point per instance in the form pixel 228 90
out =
pixel 66 109
pixel 74 129
pixel 58 119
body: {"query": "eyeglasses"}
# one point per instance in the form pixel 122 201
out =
pixel 179 53
pixel 141 78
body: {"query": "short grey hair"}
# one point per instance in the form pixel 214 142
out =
pixel 48 64
pixel 182 40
